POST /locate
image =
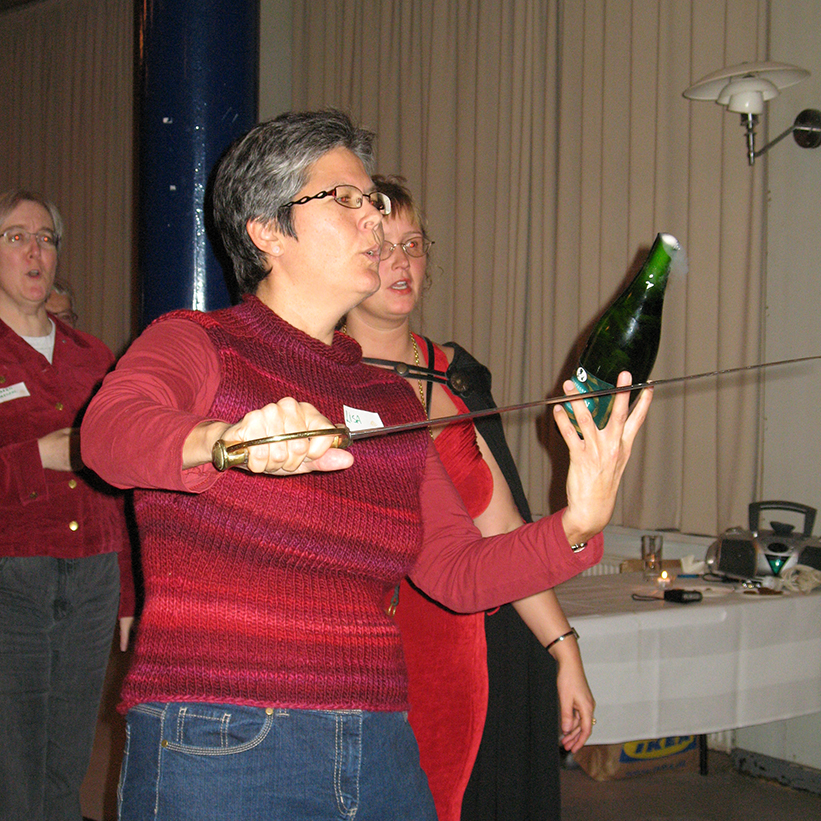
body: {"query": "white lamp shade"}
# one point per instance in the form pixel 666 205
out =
pixel 746 87
pixel 747 95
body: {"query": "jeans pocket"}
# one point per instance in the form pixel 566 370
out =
pixel 214 729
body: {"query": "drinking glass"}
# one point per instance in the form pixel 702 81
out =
pixel 651 546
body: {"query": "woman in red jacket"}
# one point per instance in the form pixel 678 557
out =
pixel 63 531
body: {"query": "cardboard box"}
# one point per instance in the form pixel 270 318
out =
pixel 607 762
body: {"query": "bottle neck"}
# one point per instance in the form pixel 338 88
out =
pixel 650 282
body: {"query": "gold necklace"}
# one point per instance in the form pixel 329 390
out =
pixel 419 381
pixel 416 361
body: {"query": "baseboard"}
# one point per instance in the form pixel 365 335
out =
pixel 764 766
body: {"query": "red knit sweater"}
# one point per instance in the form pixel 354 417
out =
pixel 269 591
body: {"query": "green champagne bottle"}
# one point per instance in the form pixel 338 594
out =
pixel 626 338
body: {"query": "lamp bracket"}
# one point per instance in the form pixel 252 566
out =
pixel 806 131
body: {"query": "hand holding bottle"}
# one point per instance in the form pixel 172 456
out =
pixel 598 458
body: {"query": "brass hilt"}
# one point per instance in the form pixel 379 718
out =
pixel 235 454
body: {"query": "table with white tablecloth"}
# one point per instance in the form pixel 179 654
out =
pixel 661 669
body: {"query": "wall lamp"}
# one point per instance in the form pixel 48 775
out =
pixel 746 87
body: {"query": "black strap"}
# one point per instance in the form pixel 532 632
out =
pixel 463 376
pixel 429 384
pixel 408 371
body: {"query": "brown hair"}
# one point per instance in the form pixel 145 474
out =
pixel 402 202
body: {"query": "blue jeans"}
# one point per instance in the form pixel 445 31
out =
pixel 224 762
pixel 57 619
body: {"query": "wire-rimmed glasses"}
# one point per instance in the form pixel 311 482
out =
pixel 349 196
pixel 415 246
pixel 20 237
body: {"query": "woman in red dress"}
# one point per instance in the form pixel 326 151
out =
pixel 487 742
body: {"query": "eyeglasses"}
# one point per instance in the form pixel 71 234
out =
pixel 416 246
pixel 349 196
pixel 17 236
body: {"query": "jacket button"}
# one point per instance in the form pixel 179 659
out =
pixel 73 525
pixel 59 405
pixel 72 483
pixel 33 494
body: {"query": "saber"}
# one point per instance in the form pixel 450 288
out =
pixel 227 455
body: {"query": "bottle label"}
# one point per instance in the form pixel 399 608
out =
pixel 599 406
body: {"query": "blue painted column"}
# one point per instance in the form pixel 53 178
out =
pixel 198 77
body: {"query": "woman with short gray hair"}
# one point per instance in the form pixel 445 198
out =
pixel 268 681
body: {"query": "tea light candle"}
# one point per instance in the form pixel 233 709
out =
pixel 664 579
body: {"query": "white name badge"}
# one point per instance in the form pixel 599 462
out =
pixel 16 391
pixel 361 419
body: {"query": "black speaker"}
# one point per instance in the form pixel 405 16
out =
pixel 736 557
pixel 810 556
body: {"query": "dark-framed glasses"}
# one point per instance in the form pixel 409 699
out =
pixel 349 196
pixel 415 246
pixel 19 237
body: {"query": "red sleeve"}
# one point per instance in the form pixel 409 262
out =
pixel 22 476
pixel 135 427
pixel 468 573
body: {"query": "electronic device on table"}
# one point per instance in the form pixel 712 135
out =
pixel 757 553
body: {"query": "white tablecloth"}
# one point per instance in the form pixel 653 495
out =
pixel 660 669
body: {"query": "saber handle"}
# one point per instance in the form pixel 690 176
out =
pixel 226 455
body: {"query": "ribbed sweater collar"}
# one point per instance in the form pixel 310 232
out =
pixel 270 328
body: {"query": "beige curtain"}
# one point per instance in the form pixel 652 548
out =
pixel 549 142
pixel 66 113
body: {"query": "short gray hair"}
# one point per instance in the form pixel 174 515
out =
pixel 265 169
pixel 9 200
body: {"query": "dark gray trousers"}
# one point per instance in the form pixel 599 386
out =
pixel 57 618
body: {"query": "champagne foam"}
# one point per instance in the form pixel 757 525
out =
pixel 679 264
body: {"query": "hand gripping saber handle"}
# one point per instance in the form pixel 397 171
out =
pixel 225 455
pixel 228 455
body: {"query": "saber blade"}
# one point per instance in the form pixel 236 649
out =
pixel 235 454
pixel 368 433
